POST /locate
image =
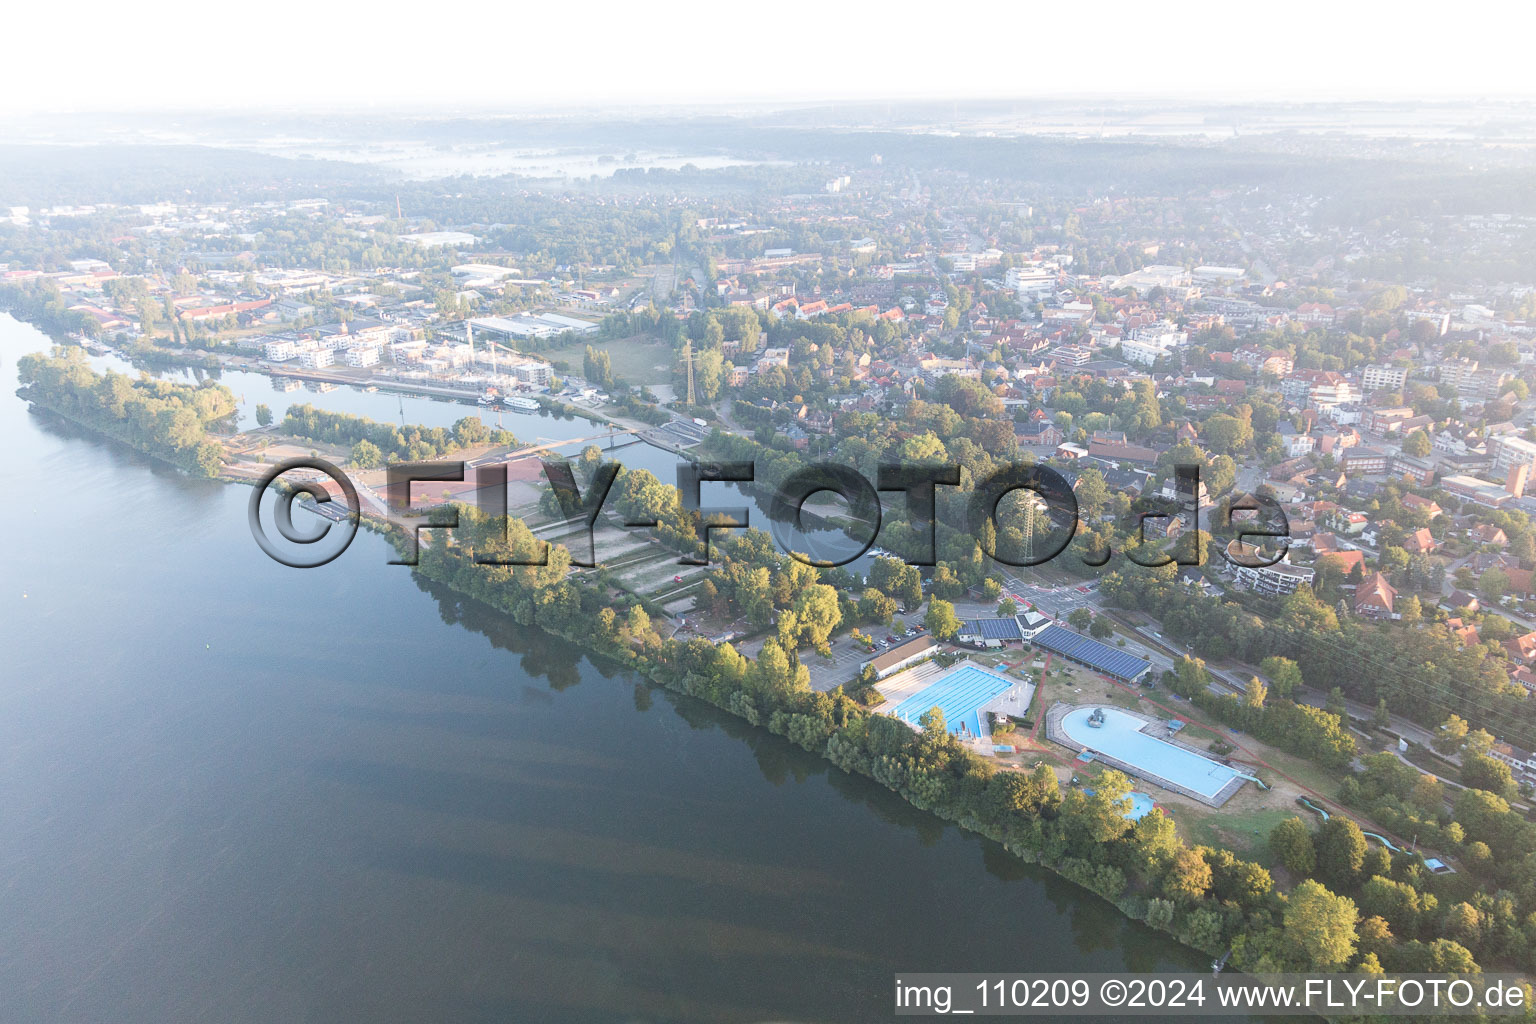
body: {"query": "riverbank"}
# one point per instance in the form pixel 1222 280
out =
pixel 1085 839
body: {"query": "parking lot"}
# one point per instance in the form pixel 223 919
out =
pixel 847 658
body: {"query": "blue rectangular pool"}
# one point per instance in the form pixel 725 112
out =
pixel 1121 738
pixel 960 695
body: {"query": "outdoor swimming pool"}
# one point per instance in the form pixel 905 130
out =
pixel 1121 738
pixel 960 695
pixel 1141 804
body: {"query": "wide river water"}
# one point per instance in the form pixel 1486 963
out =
pixel 233 791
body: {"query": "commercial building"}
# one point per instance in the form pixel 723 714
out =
pixel 1032 283
pixel 538 374
pixel 1470 487
pixel 1362 461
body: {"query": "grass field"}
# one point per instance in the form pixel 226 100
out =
pixel 635 358
pixel 1243 831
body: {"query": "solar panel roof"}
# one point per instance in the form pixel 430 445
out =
pixel 1090 652
pixel 993 629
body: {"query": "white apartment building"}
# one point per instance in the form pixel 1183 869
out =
pixel 1510 451
pixel 363 355
pixel 1281 579
pixel 1383 378
pixel 279 351
pixel 1327 395
pixel 1073 355
pixel 539 374
pixel 316 358
pixel 1142 353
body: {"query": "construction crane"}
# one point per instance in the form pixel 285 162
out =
pixel 492 346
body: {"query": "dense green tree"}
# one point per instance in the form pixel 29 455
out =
pixel 1292 842
pixel 1283 673
pixel 1319 926
pixel 941 620
pixel 1482 772
pixel 1451 735
pixel 1340 852
pixel 1189 876
pixel 366 455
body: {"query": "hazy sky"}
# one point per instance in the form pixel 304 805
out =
pixel 508 55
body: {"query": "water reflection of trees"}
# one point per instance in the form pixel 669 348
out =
pixel 1099 930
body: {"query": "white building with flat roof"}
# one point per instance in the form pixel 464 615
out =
pixel 363 355
pixel 279 351
pixel 1218 274
pixel 316 358
pixel 1383 378
pixel 439 239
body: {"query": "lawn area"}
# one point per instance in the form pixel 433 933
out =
pixel 634 358
pixel 1235 829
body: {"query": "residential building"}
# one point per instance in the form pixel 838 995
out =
pixel 1383 378
pixel 316 357
pixel 1511 450
pixel 1374 598
pixel 279 351
pixel 1280 579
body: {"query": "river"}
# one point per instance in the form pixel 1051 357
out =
pixel 239 792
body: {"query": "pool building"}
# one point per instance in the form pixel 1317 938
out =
pixel 1089 653
pixel 1125 740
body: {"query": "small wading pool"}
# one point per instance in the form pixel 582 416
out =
pixel 1141 804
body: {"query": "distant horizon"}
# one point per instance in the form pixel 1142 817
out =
pixel 184 56
pixel 1109 101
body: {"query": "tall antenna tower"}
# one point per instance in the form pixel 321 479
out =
pixel 1028 529
pixel 399 213
pixel 688 358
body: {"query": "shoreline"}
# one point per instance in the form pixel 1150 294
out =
pixel 654 674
